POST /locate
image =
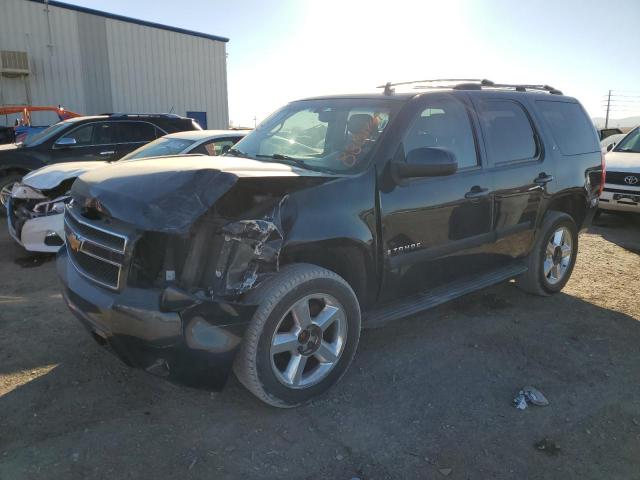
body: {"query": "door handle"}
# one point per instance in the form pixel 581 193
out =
pixel 543 179
pixel 477 192
pixel 110 152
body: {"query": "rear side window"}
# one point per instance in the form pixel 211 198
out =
pixel 572 130
pixel 97 133
pixel 508 133
pixel 136 132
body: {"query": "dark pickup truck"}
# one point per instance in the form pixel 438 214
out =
pixel 336 213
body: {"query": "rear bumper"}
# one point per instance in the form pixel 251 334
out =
pixel 617 201
pixel 195 346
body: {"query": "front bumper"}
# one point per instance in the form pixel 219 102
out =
pixel 195 346
pixel 36 234
pixel 624 200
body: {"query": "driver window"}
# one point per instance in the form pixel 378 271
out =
pixel 92 134
pixel 444 124
pixel 81 135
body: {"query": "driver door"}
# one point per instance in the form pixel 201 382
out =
pixel 92 141
pixel 436 229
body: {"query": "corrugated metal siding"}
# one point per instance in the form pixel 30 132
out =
pixel 94 56
pixel 97 64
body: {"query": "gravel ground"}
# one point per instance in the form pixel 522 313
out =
pixel 426 397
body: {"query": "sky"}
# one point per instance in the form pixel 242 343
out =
pixel 284 50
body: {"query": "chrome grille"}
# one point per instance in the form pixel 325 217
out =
pixel 618 178
pixel 97 253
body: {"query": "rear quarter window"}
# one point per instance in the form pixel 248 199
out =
pixel 571 128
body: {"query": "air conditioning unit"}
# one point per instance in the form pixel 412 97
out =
pixel 14 63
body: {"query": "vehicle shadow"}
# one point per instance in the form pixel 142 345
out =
pixel 620 228
pixel 424 395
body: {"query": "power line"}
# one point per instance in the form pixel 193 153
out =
pixel 620 101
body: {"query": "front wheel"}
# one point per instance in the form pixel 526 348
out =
pixel 553 256
pixel 302 337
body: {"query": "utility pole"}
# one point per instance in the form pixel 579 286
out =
pixel 606 120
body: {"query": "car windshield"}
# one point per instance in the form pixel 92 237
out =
pixel 45 134
pixel 630 143
pixel 331 135
pixel 160 147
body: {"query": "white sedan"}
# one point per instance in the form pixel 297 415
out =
pixel 611 141
pixel 36 205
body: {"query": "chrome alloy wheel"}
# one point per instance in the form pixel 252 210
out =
pixel 308 341
pixel 557 259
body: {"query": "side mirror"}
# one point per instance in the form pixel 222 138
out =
pixel 610 147
pixel 65 142
pixel 426 162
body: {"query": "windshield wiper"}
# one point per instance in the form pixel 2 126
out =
pixel 280 156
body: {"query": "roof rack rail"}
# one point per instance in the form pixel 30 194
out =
pixel 122 114
pixel 467 84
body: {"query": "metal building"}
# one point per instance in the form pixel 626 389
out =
pixel 95 62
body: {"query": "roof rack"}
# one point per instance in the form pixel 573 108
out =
pixel 120 114
pixel 468 84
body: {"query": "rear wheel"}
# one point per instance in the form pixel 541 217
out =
pixel 553 256
pixel 302 337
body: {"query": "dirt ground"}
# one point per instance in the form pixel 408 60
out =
pixel 426 397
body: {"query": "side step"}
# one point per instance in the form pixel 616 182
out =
pixel 423 301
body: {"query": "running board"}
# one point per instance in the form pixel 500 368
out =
pixel 417 303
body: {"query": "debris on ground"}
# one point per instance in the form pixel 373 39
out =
pixel 548 446
pixel 34 260
pixel 445 471
pixel 530 395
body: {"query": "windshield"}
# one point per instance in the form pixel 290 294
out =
pixel 45 134
pixel 160 147
pixel 335 135
pixel 630 143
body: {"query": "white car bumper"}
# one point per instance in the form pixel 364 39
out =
pixel 34 233
pixel 622 199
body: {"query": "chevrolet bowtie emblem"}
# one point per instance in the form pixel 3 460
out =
pixel 74 242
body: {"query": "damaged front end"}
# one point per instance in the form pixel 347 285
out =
pixel 35 217
pixel 218 259
pixel 165 281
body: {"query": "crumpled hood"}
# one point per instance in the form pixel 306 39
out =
pixel 169 194
pixel 51 176
pixel 623 162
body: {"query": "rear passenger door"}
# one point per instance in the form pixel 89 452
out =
pixel 131 135
pixel 520 170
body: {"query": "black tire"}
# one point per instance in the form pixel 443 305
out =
pixel 5 182
pixel 535 281
pixel 253 365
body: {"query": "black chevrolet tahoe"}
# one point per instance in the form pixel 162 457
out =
pixel 335 214
pixel 98 137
